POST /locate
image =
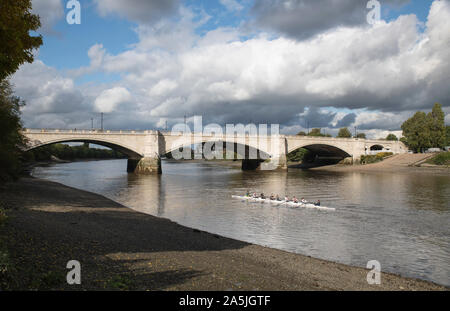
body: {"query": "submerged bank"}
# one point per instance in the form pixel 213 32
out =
pixel 118 248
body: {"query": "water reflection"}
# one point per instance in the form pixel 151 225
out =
pixel 401 220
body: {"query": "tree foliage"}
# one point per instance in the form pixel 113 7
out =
pixel 344 133
pixel 16 48
pixel 297 155
pixel 447 131
pixel 361 135
pixel 10 137
pixel 436 121
pixel 316 132
pixel 391 137
pixel 423 131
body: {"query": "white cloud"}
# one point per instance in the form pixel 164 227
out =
pixel 109 100
pixel 163 87
pixel 50 11
pixel 232 5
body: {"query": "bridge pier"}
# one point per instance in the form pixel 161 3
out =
pixel 144 166
pixel 275 164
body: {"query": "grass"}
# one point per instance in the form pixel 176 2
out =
pixel 442 158
pixel 119 282
pixel 3 217
pixel 5 262
pixel 48 280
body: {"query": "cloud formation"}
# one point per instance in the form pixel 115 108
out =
pixel 302 19
pixel 110 99
pixel 49 11
pixel 141 11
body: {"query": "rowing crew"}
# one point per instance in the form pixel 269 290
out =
pixel 277 198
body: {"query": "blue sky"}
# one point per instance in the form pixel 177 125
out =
pixel 279 61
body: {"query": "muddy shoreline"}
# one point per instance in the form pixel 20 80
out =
pixel 118 248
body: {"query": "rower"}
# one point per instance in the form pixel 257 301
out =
pixel 304 201
pixel 248 193
pixel 254 195
pixel 262 196
pixel 317 203
pixel 272 197
pixel 278 198
pixel 286 198
pixel 295 200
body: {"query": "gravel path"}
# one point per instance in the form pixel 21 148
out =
pixel 118 248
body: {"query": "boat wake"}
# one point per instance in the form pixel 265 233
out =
pixel 283 202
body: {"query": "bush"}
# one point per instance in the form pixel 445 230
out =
pixel 298 155
pixel 369 159
pixel 384 154
pixel 442 158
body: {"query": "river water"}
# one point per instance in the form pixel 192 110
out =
pixel 402 220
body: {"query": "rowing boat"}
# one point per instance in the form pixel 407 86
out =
pixel 283 202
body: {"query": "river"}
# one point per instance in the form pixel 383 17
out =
pixel 401 220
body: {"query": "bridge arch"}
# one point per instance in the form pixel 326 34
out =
pixel 322 149
pixel 376 147
pixel 246 151
pixel 126 150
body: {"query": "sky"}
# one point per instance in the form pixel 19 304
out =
pixel 298 63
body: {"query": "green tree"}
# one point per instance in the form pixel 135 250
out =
pixel 16 23
pixel 10 136
pixel 391 137
pixel 361 135
pixel 447 131
pixel 436 123
pixel 301 133
pixel 16 48
pixel 315 132
pixel 344 133
pixel 404 140
pixel 416 131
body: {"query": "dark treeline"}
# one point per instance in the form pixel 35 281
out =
pixel 16 48
pixel 66 152
pixel 10 138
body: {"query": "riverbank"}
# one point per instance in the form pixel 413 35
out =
pixel 49 224
pixel 404 163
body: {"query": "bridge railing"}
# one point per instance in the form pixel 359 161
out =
pixel 83 131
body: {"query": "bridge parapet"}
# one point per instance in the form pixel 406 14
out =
pixel 84 131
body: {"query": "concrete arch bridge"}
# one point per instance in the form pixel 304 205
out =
pixel 145 148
